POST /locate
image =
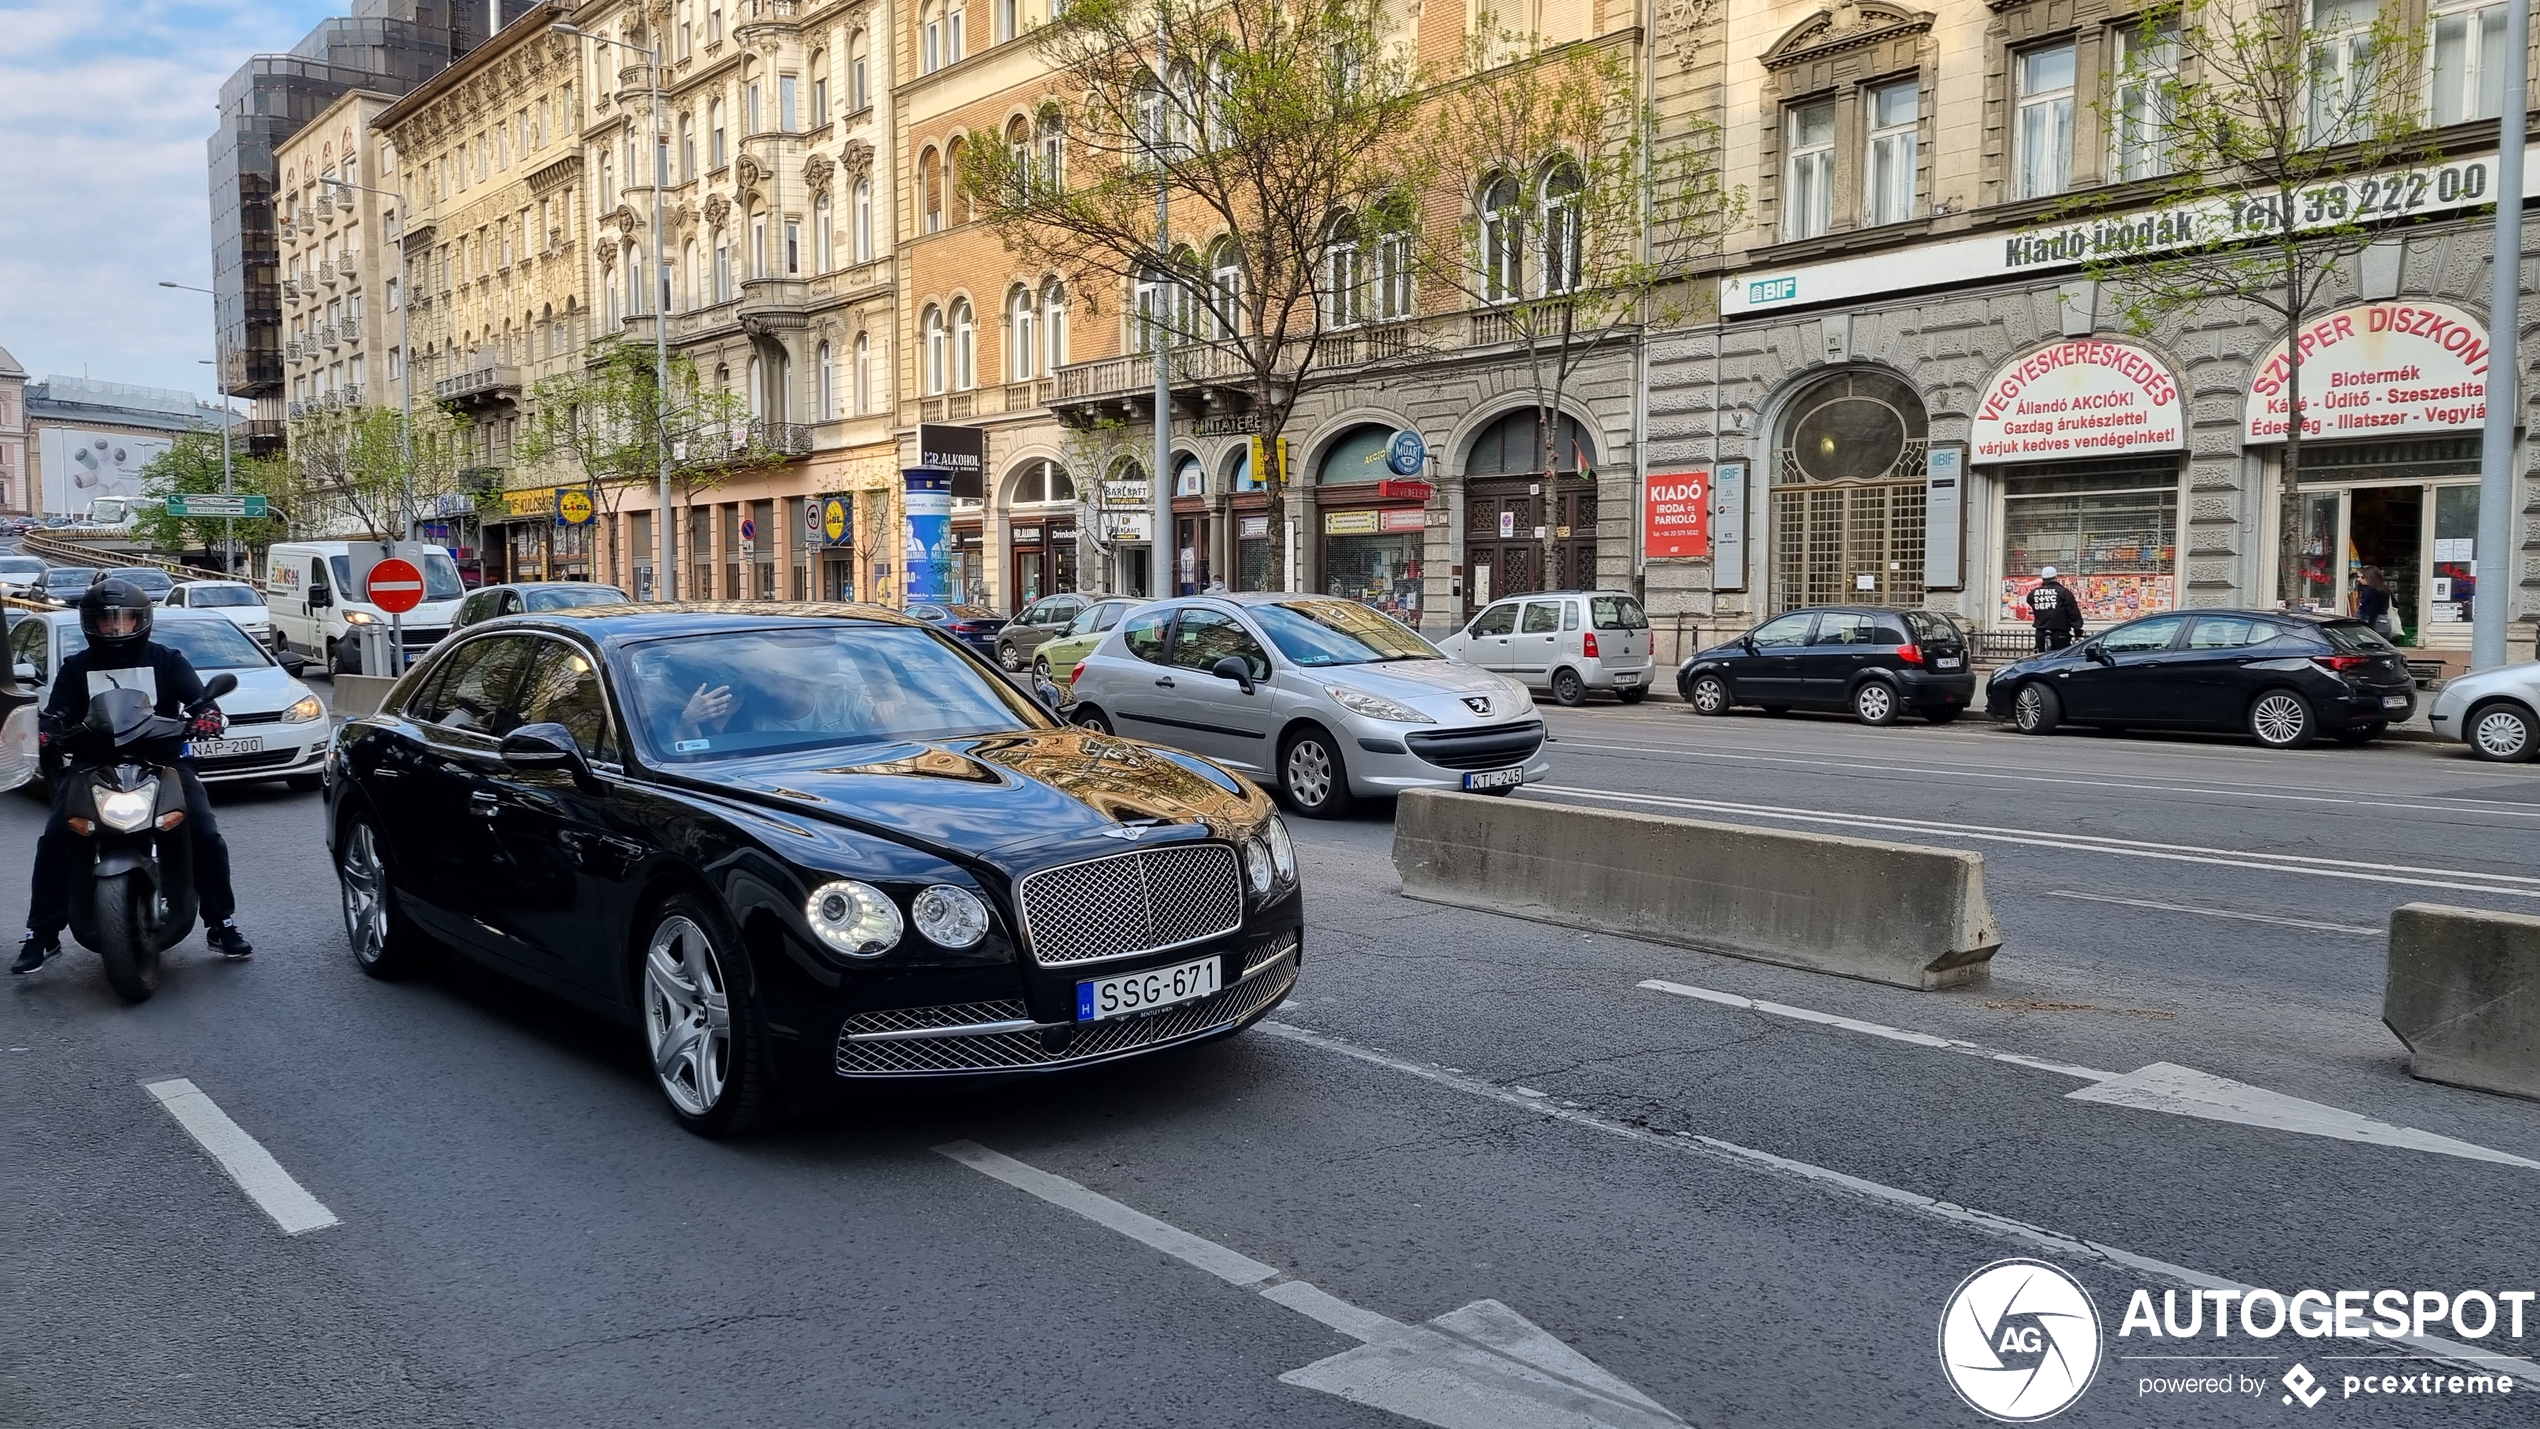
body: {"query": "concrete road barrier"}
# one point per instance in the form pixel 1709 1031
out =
pixel 358 695
pixel 1892 913
pixel 2463 992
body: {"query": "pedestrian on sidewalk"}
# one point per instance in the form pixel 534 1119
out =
pixel 2372 599
pixel 2055 611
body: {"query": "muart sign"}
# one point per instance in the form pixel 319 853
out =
pixel 2091 397
pixel 2376 370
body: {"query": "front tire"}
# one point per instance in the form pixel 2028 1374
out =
pixel 2036 710
pixel 385 945
pixel 126 939
pixel 1311 771
pixel 1874 703
pixel 1709 695
pixel 2281 719
pixel 698 1020
pixel 342 658
pixel 1568 688
pixel 2502 733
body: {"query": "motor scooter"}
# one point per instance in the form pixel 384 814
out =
pixel 132 881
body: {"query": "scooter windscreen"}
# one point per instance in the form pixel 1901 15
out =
pixel 121 716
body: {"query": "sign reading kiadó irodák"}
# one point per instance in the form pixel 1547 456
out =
pixel 2456 185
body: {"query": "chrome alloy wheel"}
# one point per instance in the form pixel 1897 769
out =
pixel 1309 773
pixel 1874 703
pixel 364 880
pixel 1710 696
pixel 2279 719
pixel 2029 710
pixel 2502 733
pixel 687 1015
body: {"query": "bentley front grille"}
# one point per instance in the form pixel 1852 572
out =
pixel 1132 903
pixel 965 1046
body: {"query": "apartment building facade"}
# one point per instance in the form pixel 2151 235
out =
pixel 341 294
pixel 1915 395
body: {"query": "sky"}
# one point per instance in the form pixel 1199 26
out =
pixel 105 110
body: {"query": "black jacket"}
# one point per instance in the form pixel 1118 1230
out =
pixel 2054 606
pixel 167 676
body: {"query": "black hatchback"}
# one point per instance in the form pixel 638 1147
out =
pixel 1876 663
pixel 2282 677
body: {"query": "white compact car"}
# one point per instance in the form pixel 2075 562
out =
pixel 1570 642
pixel 277 728
pixel 2495 712
pixel 1325 699
pixel 241 603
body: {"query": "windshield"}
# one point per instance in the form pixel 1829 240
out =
pixel 701 698
pixel 205 644
pixel 78 576
pixel 149 578
pixel 440 576
pixel 204 596
pixel 565 597
pixel 21 565
pixel 1320 633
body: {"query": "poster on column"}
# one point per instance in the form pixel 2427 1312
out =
pixel 2074 399
pixel 2376 370
pixel 927 544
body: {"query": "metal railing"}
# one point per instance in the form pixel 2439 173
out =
pixel 480 382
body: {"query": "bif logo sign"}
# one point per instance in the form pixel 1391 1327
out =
pixel 1772 290
pixel 2019 1341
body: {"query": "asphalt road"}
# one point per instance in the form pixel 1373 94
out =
pixel 1454 1109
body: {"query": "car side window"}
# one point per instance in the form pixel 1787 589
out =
pixel 2228 632
pixel 511 602
pixel 1843 627
pixel 1786 632
pixel 317 577
pixel 27 643
pixel 472 691
pixel 480 606
pixel 1065 612
pixel 1144 635
pixel 1569 615
pixel 2143 635
pixel 1498 620
pixel 1204 637
pixel 1108 615
pixel 563 688
pixel 1542 617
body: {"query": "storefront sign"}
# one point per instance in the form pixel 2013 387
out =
pixel 1253 528
pixel 2381 370
pixel 1676 519
pixel 1027 535
pixel 2087 398
pixel 1350 523
pixel 574 506
pixel 541 502
pixel 1728 526
pixel 1408 456
pixel 1944 515
pixel 2370 198
pixel 1130 526
pixel 1405 490
pixel 1401 520
pixel 835 514
pixel 1125 494
pixel 960 451
pixel 1190 480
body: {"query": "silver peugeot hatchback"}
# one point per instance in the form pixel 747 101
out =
pixel 1325 699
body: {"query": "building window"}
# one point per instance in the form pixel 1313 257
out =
pixel 930 40
pixel 859 95
pixel 862 219
pixel 793 249
pixel 689 276
pixel 1564 255
pixel 757 390
pixel 750 112
pixel 863 373
pixel 396 364
pixel 393 297
pixel 687 147
pixel 930 192
pixel 786 98
pixel 687 34
pixel 2044 125
pixel 758 247
pixel 2341 69
pixel 956 32
pixel 1503 240
pixel 714 23
pixel 2145 67
pixel 828 376
pixel 1053 152
pixel 1226 277
pixel 1053 325
pixel 722 267
pixel 1020 347
pixel 1150 307
pixel 819 88
pixel 714 137
pixel 965 373
pixel 1007 17
pixel 2469 63
pixel 824 244
pixel 1344 274
pixel 1895 112
pixel 1808 209
pixel 938 358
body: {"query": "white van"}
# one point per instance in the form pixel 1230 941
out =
pixel 1567 641
pixel 309 585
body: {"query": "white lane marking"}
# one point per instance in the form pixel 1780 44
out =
pixel 243 1157
pixel 2355 928
pixel 2185 1091
pixel 2226 789
pixel 1137 1225
pixel 1481 1367
pixel 2508 885
pixel 2161 1086
pixel 1871 1029
pixel 1712 1148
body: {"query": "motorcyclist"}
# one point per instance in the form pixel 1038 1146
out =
pixel 115 616
pixel 2055 611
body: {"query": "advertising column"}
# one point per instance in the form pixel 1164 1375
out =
pixel 926 545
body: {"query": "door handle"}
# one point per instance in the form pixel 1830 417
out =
pixel 482 803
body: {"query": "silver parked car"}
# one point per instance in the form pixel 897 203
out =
pixel 1323 698
pixel 2495 712
pixel 1570 642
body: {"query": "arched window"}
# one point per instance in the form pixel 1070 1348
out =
pixel 863 373
pixel 1189 319
pixel 828 376
pixel 819 88
pixel 1053 165
pixel 1181 112
pixel 956 204
pixel 1564 255
pixel 1514 445
pixel 965 373
pixel 1018 156
pixel 1503 240
pixel 938 357
pixel 930 192
pixel 1053 325
pixel 1226 282
pixel 862 218
pixel 930 39
pixel 691 297
pixel 823 236
pixel 956 32
pixel 714 135
pixel 634 280
pixel 859 95
pixel 1148 311
pixel 1020 347
pixel 1344 273
pixel 1396 221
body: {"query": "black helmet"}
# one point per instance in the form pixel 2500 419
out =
pixel 115 616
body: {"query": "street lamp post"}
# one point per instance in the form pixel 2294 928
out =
pixel 665 583
pixel 405 357
pixel 229 528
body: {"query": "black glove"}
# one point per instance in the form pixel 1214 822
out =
pixel 208 723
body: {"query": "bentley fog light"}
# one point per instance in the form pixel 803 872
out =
pixel 1257 866
pixel 950 917
pixel 857 919
pixel 128 809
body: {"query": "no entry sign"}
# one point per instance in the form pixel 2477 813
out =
pixel 395 586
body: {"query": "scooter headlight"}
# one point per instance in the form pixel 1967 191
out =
pixel 125 810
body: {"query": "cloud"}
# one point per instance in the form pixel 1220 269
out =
pixel 105 114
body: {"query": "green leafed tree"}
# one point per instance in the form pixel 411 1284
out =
pixel 1284 136
pixel 350 468
pixel 2265 128
pixel 191 466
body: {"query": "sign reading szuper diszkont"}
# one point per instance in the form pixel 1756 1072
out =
pixel 2376 370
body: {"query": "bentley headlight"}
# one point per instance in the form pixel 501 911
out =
pixel 307 709
pixel 857 919
pixel 1374 706
pixel 125 810
pixel 950 917
pixel 1257 867
pixel 1282 848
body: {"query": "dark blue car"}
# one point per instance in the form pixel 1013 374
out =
pixel 973 625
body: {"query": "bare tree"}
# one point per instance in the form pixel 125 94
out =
pixel 354 462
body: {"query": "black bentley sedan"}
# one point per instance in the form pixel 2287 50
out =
pixel 2283 677
pixel 803 846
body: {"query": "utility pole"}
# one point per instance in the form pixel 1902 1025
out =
pixel 1159 326
pixel 2493 562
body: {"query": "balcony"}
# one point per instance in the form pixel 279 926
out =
pixel 483 387
pixel 756 438
pixel 352 329
pixel 775 302
pixel 326 272
pixel 351 394
pixel 847 281
pixel 1207 375
pixel 291 290
pixel 332 336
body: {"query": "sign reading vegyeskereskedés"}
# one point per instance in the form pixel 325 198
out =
pixel 1678 516
pixel 2086 398
pixel 2367 198
pixel 2378 369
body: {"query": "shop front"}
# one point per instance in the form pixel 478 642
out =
pixel 1041 544
pixel 969 554
pixel 1192 527
pixel 1374 530
pixel 1248 509
pixel 1850 493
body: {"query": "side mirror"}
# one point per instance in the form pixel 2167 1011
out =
pixel 24 672
pixel 546 746
pixel 321 598
pixel 292 665
pixel 1235 668
pixel 2097 655
pixel 1746 643
pixel 219 685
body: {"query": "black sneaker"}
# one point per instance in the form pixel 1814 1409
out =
pixel 227 941
pixel 34 952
